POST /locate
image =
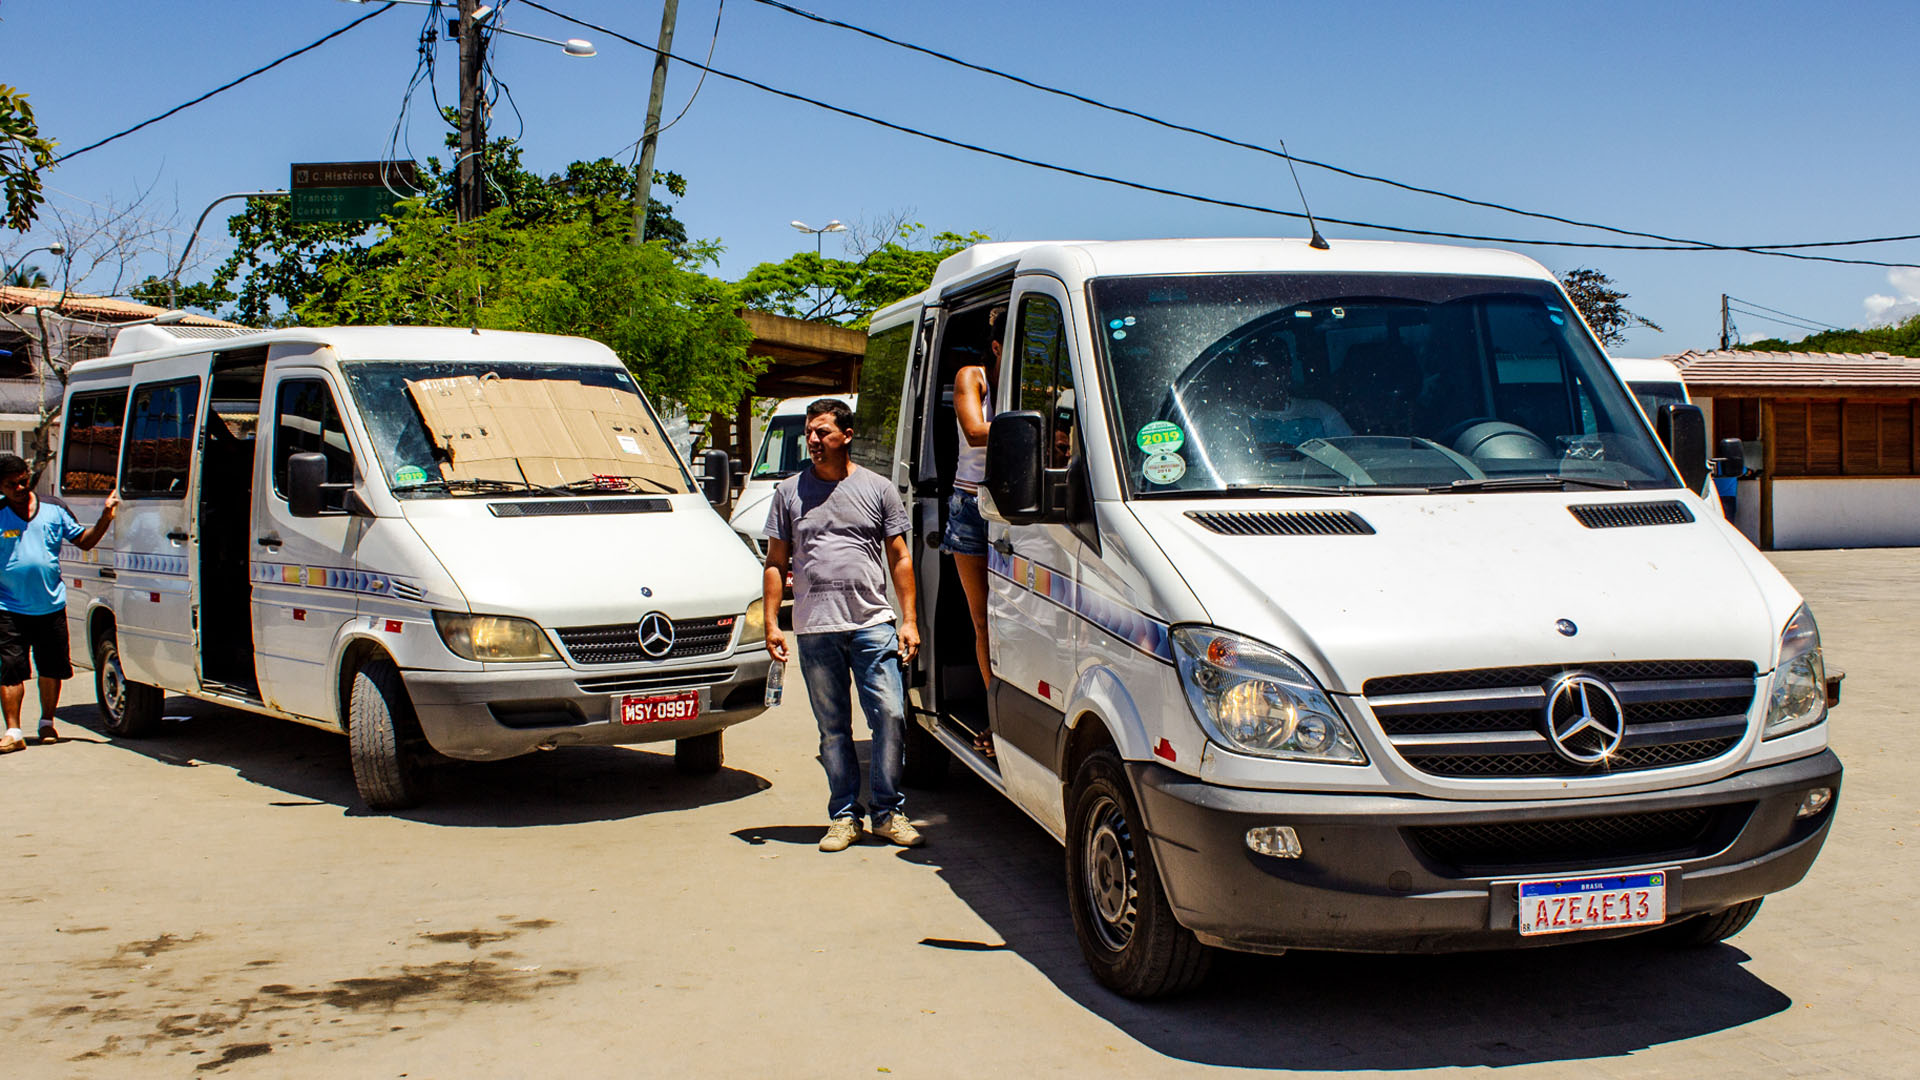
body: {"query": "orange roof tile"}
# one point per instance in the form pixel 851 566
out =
pixel 1790 371
pixel 100 308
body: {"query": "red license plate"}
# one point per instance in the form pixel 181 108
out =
pixel 657 708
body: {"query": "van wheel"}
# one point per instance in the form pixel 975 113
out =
pixel 701 755
pixel 380 724
pixel 128 710
pixel 1127 932
pixel 1710 929
pixel 926 764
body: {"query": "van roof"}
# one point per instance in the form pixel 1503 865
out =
pixel 1636 370
pixel 1076 260
pixel 373 343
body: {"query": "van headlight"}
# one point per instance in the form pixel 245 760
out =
pixel 1257 699
pixel 493 638
pixel 753 625
pixel 1797 694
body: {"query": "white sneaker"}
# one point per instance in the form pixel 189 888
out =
pixel 898 829
pixel 841 835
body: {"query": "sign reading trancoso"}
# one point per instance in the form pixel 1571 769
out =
pixel 347 191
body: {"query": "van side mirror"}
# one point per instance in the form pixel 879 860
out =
pixel 1683 431
pixel 1014 471
pixel 716 476
pixel 307 489
pixel 1732 460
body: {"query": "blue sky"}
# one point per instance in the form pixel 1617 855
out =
pixel 1735 123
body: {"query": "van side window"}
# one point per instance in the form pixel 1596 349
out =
pixel 90 451
pixel 160 438
pixel 306 421
pixel 1046 373
pixel 882 376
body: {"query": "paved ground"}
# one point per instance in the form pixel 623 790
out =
pixel 212 903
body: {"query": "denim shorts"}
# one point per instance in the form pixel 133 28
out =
pixel 966 530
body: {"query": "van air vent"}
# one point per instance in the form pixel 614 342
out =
pixel 1627 515
pixel 1283 522
pixel 583 505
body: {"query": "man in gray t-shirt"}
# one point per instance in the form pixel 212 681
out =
pixel 841 529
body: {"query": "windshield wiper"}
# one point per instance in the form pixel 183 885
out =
pixel 1541 482
pixel 451 486
pixel 596 485
pixel 1313 489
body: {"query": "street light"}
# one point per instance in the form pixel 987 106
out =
pixel 831 226
pixel 572 46
pixel 55 249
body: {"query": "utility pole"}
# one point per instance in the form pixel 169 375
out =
pixel 643 172
pixel 473 114
pixel 1723 322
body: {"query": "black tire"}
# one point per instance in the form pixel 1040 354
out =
pixel 926 764
pixel 1710 929
pixel 1127 933
pixel 128 710
pixel 701 755
pixel 380 729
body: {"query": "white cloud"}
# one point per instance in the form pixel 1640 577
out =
pixel 1884 310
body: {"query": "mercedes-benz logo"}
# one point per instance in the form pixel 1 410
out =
pixel 1583 718
pixel 656 634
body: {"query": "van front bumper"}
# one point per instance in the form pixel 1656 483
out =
pixel 1375 874
pixel 489 715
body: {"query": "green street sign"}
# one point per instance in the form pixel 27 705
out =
pixel 349 191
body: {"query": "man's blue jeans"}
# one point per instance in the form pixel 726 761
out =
pixel 869 658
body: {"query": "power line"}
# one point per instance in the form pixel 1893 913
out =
pixel 1790 315
pixel 1284 154
pixel 1811 328
pixel 691 98
pixel 224 87
pixel 1189 196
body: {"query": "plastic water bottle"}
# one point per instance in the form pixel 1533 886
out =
pixel 776 675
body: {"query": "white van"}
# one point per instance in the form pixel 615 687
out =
pixel 783 452
pixel 1343 599
pixel 473 543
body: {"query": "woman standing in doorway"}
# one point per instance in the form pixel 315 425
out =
pixel 966 535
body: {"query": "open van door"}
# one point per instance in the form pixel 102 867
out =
pixel 157 563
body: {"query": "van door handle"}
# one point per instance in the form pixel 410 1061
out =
pixel 269 541
pixel 1003 545
pixel 177 537
pixel 108 572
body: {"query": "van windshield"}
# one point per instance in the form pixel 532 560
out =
pixel 1363 384
pixel 449 428
pixel 784 450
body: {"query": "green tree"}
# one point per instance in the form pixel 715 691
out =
pixel 1900 339
pixel 1603 305
pixel 23 154
pixel 27 277
pixel 849 291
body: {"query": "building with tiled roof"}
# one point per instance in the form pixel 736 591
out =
pixel 1833 442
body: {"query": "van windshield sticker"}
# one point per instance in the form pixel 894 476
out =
pixel 407 475
pixel 1164 468
pixel 1160 437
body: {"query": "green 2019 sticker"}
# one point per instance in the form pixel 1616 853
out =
pixel 409 474
pixel 1160 437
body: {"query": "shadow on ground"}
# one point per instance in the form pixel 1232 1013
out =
pixel 596 783
pixel 1334 1011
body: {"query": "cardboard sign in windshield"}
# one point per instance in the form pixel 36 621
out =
pixel 543 431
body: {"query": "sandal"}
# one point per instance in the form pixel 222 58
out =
pixel 9 744
pixel 48 736
pixel 983 744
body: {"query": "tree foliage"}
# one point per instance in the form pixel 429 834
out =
pixel 1900 339
pixel 1603 305
pixel 849 291
pixel 23 153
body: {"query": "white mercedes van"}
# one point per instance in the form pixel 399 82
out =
pixel 782 452
pixel 1344 599
pixel 470 543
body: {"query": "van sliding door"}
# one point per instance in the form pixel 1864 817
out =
pixel 157 560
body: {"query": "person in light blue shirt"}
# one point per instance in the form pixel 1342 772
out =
pixel 33 595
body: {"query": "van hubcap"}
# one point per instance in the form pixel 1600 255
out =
pixel 114 686
pixel 1112 878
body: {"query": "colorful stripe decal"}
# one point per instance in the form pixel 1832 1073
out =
pixel 333 579
pixel 1108 613
pixel 141 562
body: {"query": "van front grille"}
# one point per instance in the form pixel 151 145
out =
pixel 1512 845
pixel 619 643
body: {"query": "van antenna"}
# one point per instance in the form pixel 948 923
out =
pixel 1318 243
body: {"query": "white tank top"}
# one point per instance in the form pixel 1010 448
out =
pixel 973 459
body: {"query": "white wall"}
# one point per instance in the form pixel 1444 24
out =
pixel 1840 512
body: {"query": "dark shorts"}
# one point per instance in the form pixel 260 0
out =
pixel 966 530
pixel 45 636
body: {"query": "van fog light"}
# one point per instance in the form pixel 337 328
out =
pixel 1279 841
pixel 1815 801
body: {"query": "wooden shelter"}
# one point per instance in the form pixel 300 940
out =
pixel 803 358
